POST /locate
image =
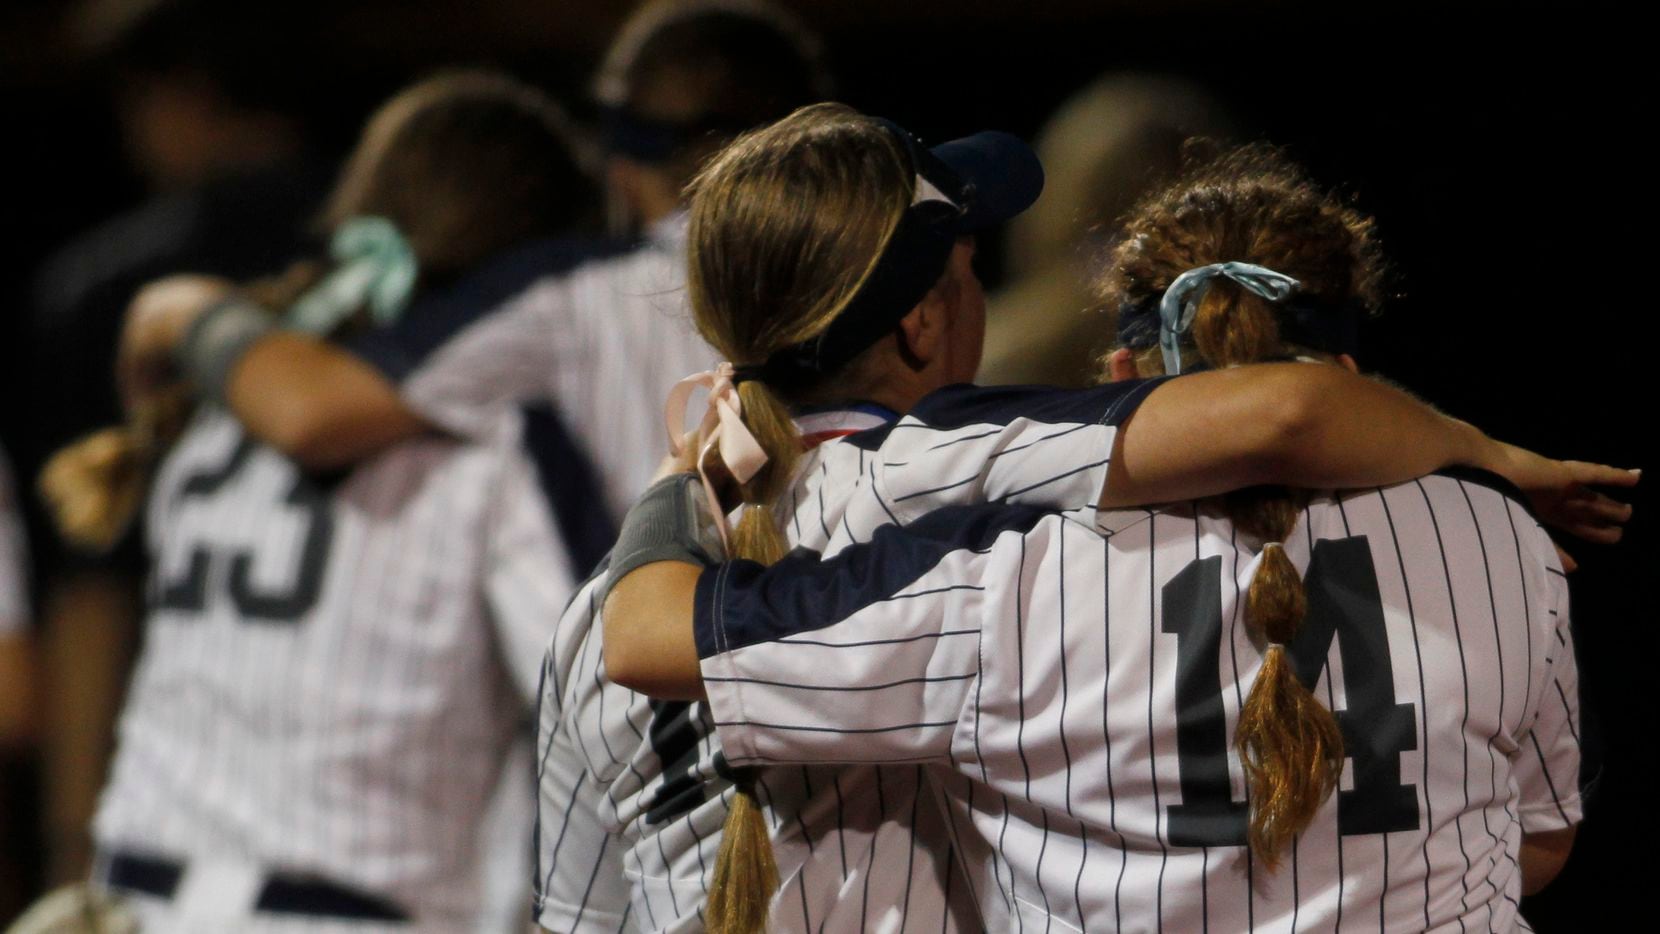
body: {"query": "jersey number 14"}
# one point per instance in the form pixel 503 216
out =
pixel 1343 603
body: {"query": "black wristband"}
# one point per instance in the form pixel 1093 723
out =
pixel 669 522
pixel 216 341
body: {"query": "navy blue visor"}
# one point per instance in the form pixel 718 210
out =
pixel 962 187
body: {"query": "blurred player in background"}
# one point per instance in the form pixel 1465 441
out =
pixel 1106 146
pixel 1392 668
pixel 216 128
pixel 333 668
pixel 604 341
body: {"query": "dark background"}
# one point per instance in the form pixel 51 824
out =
pixel 1498 147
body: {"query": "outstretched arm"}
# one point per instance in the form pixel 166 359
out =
pixel 1314 426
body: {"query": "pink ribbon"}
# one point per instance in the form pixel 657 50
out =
pixel 722 430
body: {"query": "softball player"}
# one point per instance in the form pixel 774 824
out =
pixel 1070 679
pixel 601 335
pixel 333 669
pixel 668 785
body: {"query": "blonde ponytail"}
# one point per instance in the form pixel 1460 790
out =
pixel 785 226
pixel 93 487
pixel 746 874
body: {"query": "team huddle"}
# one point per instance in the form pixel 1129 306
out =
pixel 1235 639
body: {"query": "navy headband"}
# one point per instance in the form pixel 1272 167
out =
pixel 1304 320
pixel 945 206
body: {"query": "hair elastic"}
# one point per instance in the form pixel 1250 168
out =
pixel 374 269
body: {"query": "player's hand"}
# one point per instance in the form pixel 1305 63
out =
pixel 692 445
pixel 1562 494
pixel 157 320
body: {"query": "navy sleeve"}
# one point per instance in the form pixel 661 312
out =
pixel 742 603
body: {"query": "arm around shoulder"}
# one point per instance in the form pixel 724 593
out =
pixel 316 402
pixel 649 642
pixel 1324 427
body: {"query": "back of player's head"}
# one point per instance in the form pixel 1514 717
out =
pixel 1253 213
pixel 684 77
pixel 464 164
pixel 786 225
pixel 1247 205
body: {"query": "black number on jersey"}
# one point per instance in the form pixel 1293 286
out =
pixel 676 733
pixel 282 605
pixel 1343 603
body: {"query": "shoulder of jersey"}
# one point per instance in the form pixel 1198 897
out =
pixel 512 272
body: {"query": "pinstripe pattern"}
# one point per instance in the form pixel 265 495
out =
pixel 603 343
pixel 1031 796
pixel 359 738
pixel 840 835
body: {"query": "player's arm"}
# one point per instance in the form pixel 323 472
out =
pixel 313 400
pixel 1543 856
pixel 809 660
pixel 649 641
pixel 1324 427
pixel 316 402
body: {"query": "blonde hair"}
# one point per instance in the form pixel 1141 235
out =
pixel 1252 205
pixel 786 225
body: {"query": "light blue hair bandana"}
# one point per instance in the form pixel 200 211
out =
pixel 1181 300
pixel 374 268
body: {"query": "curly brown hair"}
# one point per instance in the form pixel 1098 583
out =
pixel 1252 204
pixel 1247 204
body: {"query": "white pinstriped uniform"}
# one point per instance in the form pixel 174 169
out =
pixel 602 338
pixel 14 561
pixel 859 848
pixel 1072 682
pixel 331 675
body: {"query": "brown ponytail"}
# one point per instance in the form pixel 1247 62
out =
pixel 1290 745
pixel 1253 205
pixel 786 224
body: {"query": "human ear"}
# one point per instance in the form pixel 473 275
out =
pixel 1348 363
pixel 922 331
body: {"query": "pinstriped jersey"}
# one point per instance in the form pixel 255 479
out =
pixel 859 847
pixel 600 333
pixel 332 671
pixel 14 574
pixel 1072 682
